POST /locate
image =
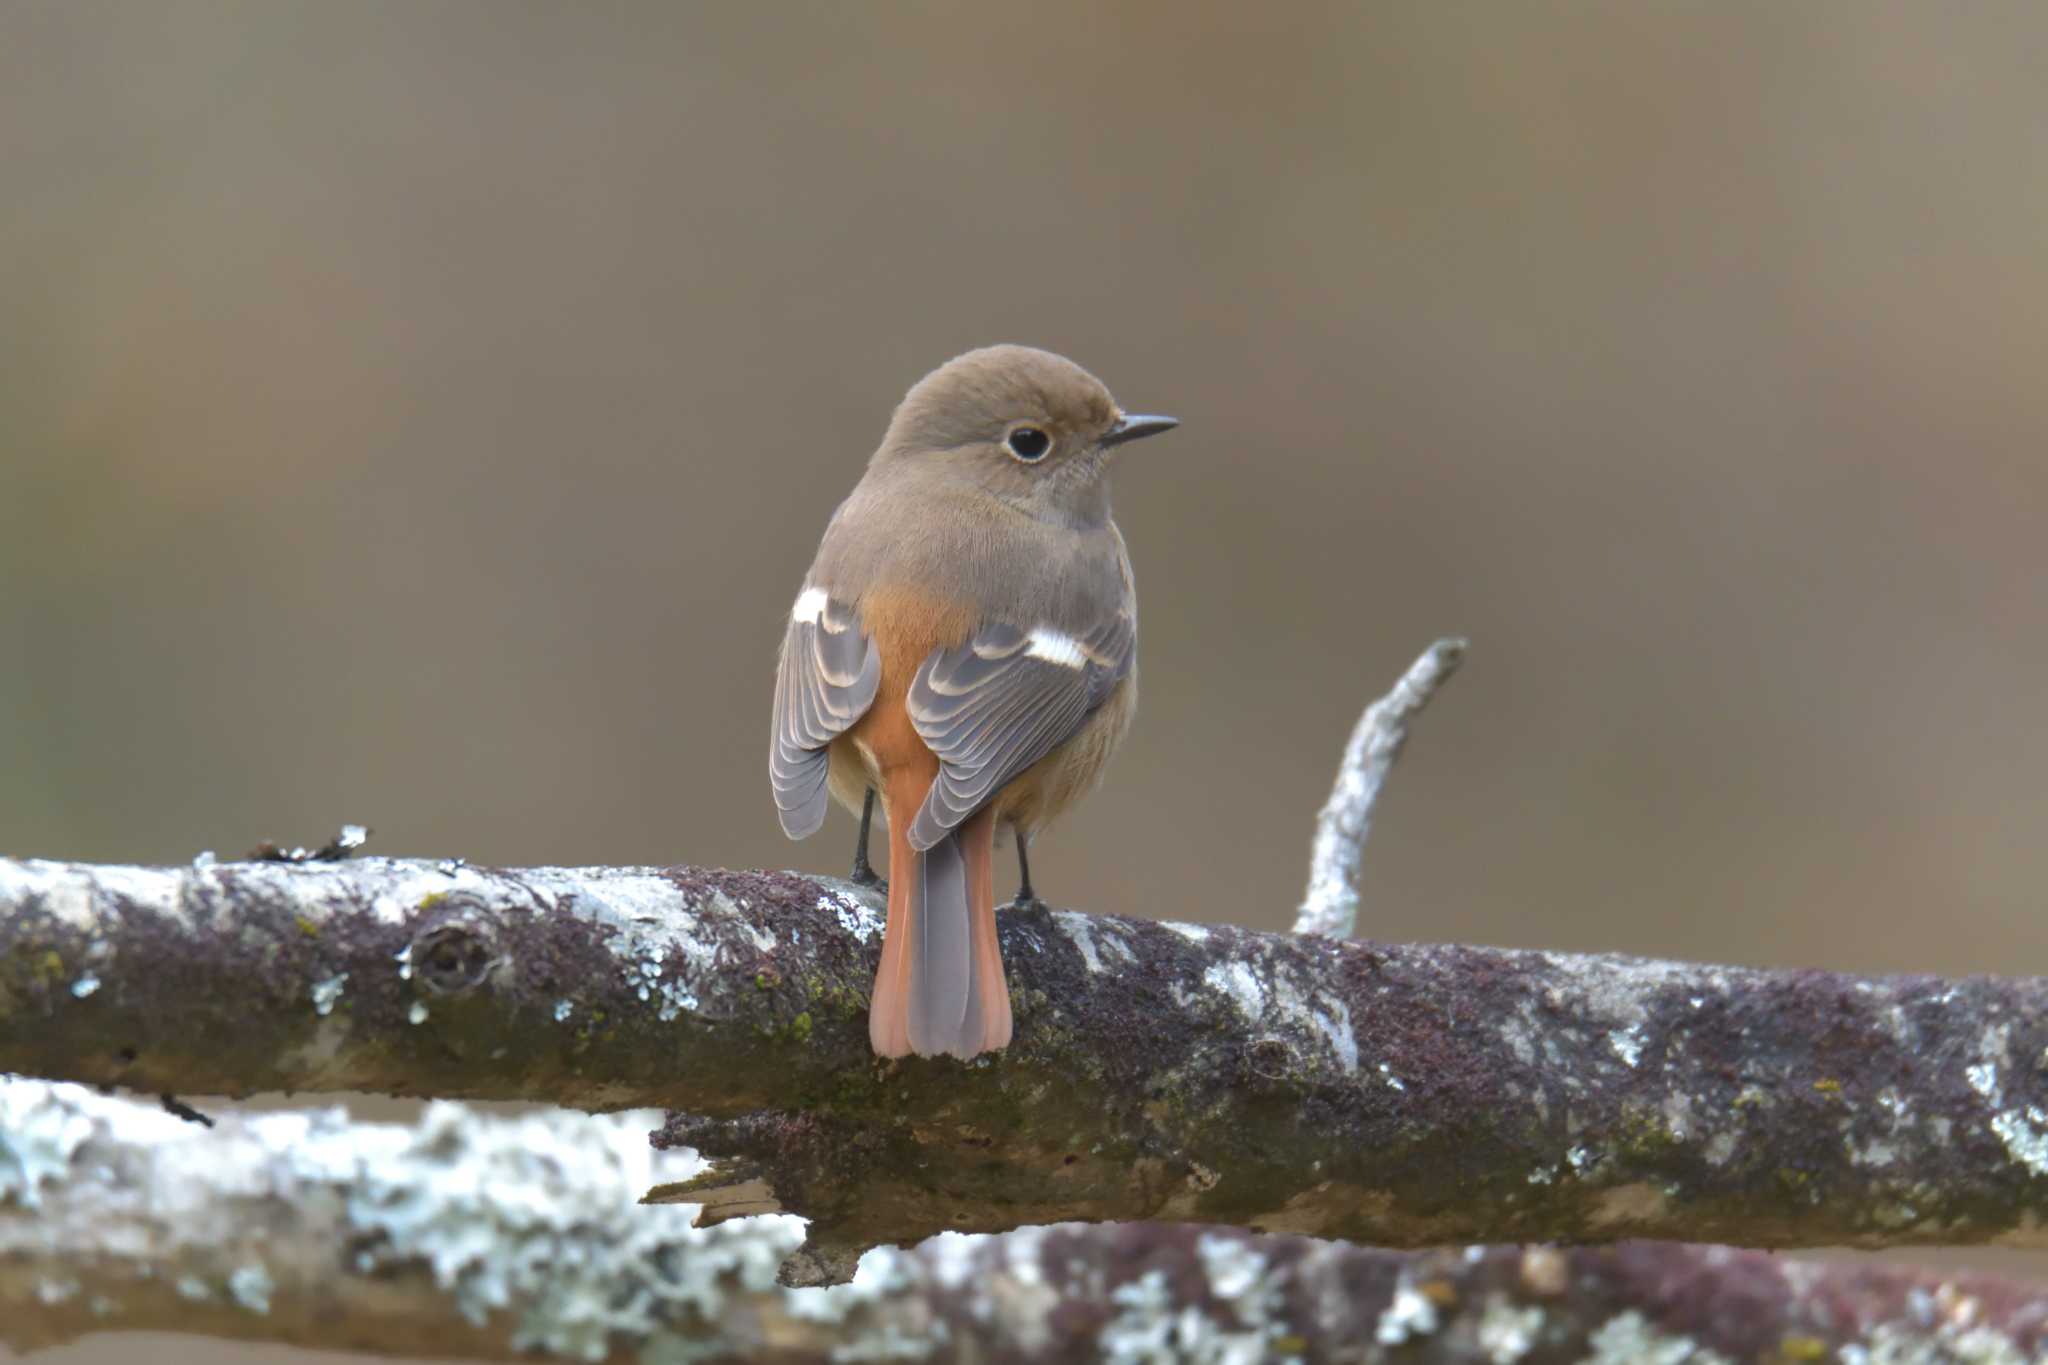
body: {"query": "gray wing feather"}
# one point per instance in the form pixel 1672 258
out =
pixel 826 682
pixel 991 708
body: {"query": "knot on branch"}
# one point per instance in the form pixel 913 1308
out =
pixel 458 950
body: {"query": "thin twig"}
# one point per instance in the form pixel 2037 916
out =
pixel 1331 906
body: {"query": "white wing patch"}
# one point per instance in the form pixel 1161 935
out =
pixel 810 605
pixel 996 704
pixel 1054 647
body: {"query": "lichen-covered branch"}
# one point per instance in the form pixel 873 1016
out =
pixel 466 1235
pixel 496 1238
pixel 1401 1096
pixel 1331 905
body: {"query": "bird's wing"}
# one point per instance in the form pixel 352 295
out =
pixel 826 682
pixel 1003 700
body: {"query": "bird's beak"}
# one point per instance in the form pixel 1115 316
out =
pixel 1131 428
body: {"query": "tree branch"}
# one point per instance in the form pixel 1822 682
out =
pixel 1404 1096
pixel 1331 906
pixel 489 1238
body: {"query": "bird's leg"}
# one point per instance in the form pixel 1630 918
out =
pixel 863 873
pixel 1026 898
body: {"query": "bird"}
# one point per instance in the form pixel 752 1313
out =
pixel 964 647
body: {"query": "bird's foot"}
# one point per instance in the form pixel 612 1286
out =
pixel 1026 900
pixel 866 876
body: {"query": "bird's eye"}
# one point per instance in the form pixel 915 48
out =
pixel 1029 444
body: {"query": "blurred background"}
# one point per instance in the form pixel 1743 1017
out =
pixel 423 415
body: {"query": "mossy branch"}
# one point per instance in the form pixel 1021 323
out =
pixel 501 1238
pixel 1397 1095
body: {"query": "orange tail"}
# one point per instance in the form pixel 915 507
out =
pixel 940 987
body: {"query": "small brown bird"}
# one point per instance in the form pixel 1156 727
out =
pixel 965 646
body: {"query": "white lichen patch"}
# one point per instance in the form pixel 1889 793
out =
pixel 85 985
pixel 855 916
pixel 1993 1050
pixel 675 998
pixel 1627 1044
pixel 1114 945
pixel 537 1216
pixel 2022 1129
pixel 250 1286
pixel 80 897
pixel 695 950
pixel 1318 1015
pixel 563 1009
pixel 1234 1266
pixel 1193 933
pixel 1507 1333
pixel 38 1136
pixel 1150 1327
pixel 1409 1315
pixel 1335 1023
pixel 647 975
pixel 325 992
pixel 418 1013
pixel 1143 1328
pixel 1239 1276
pixel 2025 1135
pixel 1082 935
pixel 1630 1339
pixel 1893 1343
pixel 1615 989
pixel 1241 984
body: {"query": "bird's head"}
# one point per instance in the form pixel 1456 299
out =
pixel 1031 428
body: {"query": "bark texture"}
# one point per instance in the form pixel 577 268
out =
pixel 475 1236
pixel 1396 1095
